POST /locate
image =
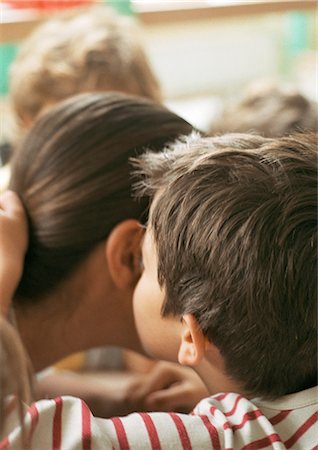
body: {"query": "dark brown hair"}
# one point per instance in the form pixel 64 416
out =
pixel 235 226
pixel 73 175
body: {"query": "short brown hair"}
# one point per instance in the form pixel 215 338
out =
pixel 235 226
pixel 93 50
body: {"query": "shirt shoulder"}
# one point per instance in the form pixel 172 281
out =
pixel 65 422
pixel 223 421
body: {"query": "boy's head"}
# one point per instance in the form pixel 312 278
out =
pixel 234 228
pixel 269 109
pixel 95 50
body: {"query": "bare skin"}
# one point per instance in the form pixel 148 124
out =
pixel 92 308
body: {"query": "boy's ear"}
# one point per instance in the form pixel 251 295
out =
pixel 193 342
pixel 123 253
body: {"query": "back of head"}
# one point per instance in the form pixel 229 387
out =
pixel 235 225
pixel 72 173
pixel 268 109
pixel 95 50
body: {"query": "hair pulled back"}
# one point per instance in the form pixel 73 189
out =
pixel 72 173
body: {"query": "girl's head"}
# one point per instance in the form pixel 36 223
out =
pixel 72 173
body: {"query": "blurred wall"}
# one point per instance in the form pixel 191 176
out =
pixel 219 56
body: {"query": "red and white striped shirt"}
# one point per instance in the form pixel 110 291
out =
pixel 223 421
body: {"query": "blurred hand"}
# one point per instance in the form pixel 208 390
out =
pixel 13 245
pixel 104 392
pixel 168 387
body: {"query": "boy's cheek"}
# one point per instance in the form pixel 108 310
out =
pixel 166 341
pixel 159 336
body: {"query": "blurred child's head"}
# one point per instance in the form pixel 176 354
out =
pixel 95 50
pixel 233 226
pixel 268 109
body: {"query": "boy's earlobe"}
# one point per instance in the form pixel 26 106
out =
pixel 193 342
pixel 123 253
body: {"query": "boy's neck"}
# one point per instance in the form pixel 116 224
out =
pixel 215 378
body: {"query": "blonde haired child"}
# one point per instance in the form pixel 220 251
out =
pixel 90 50
pixel 95 50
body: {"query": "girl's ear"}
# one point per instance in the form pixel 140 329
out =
pixel 193 342
pixel 123 253
pixel 26 121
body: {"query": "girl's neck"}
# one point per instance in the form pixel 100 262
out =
pixel 44 336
